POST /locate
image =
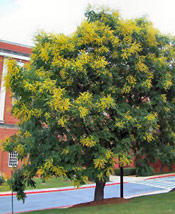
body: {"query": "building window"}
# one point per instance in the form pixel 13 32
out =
pixel 13 159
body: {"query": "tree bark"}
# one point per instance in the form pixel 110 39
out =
pixel 99 191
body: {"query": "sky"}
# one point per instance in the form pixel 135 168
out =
pixel 20 20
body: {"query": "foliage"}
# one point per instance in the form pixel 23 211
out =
pixel 144 169
pixel 88 98
pixel 167 156
pixel 126 171
pixel 2 180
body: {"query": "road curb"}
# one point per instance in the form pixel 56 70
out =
pixel 160 176
pixel 58 190
pixel 83 187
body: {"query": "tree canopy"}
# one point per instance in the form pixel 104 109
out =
pixel 103 92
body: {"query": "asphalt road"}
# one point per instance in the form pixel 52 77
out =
pixel 63 197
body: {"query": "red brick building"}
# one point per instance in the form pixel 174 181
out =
pixel 8 127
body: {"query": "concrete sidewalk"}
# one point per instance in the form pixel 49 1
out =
pixel 133 178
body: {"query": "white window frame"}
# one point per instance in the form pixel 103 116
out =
pixel 2 94
pixel 13 159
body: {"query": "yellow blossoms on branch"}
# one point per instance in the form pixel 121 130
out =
pixel 83 111
pixel 152 116
pixel 120 124
pixel 88 141
pixel 100 163
pixel 149 137
pixel 84 98
pixel 105 103
pixel 62 121
pixel 58 101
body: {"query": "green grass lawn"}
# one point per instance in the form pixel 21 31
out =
pixel 51 183
pixel 155 204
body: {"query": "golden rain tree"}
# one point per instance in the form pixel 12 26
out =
pixel 84 100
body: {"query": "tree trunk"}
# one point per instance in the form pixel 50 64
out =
pixel 99 191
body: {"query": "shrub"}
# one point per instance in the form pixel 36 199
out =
pixel 144 169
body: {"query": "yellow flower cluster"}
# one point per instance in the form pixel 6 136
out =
pixel 100 163
pixel 109 154
pixel 87 30
pixel 114 54
pixel 27 66
pixel 139 126
pixel 62 121
pixel 58 102
pixel 168 80
pixel 167 84
pixel 134 49
pixel 84 98
pixel 120 124
pixel 127 27
pixel 90 34
pixel 59 171
pixel 5 143
pixel 88 141
pixel 126 88
pixel 152 57
pixel 99 63
pixel 47 116
pixel 41 73
pixel 83 111
pixel 147 83
pixel 59 61
pixel 164 98
pixel 105 103
pixel 13 71
pixel 44 54
pixel 152 116
pixel 47 85
pixel 109 171
pixel 82 59
pixel 65 151
pixel 149 137
pixel 131 80
pixel 30 87
pixel 12 67
pixel 36 112
pixel 151 35
pixel 63 42
pixel 162 61
pixel 22 113
pixel 27 134
pixel 128 116
pixel 140 64
pixel 20 149
pixel 100 176
pixel 167 109
pixel 157 126
pixel 101 50
pixel 49 166
pixel 123 159
pixel 85 179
